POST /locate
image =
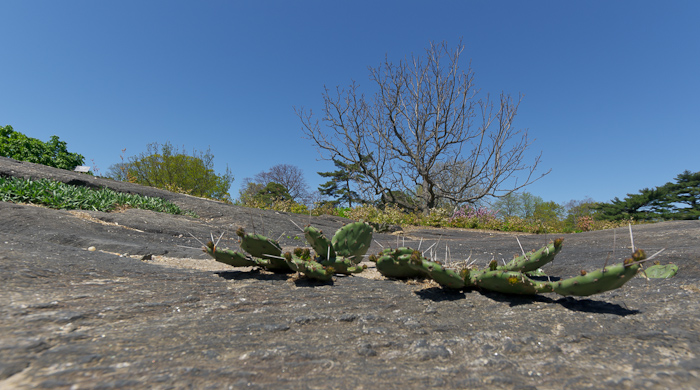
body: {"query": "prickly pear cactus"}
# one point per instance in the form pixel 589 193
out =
pixel 446 277
pixel 302 262
pixel 320 244
pixel 340 255
pixel 352 241
pixel 508 282
pixel 394 263
pixel 535 259
pixel 228 256
pixel 511 278
pixel 266 251
pixel 658 271
pixel 258 245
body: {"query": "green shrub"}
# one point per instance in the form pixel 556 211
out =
pixel 18 146
pixel 58 195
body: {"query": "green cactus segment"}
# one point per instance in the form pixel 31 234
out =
pixel 600 280
pixel 534 260
pixel 659 271
pixel 320 244
pixel 259 246
pixel 509 282
pixel 227 256
pixel 310 268
pixel 273 264
pixel 352 241
pixel 445 277
pixel 394 263
pixel 343 266
pixel 537 272
pixel 390 267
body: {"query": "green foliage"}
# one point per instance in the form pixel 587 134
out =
pixel 533 210
pixel 247 194
pixel 684 192
pixel 272 192
pixel 339 186
pixel 672 201
pixel 18 146
pixel 510 205
pixel 163 166
pixel 542 217
pixel 274 196
pixel 58 195
pixel 549 214
pixel 407 200
pixel 580 215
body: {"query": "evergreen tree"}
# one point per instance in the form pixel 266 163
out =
pixel 679 200
pixel 686 193
pixel 339 185
pixel 647 205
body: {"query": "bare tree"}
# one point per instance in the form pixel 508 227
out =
pixel 290 176
pixel 420 127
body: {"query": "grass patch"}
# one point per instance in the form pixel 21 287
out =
pixel 57 195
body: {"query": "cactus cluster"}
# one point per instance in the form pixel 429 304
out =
pixel 339 255
pixel 515 277
pixel 343 253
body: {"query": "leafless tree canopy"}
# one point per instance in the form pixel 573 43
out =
pixel 290 176
pixel 426 132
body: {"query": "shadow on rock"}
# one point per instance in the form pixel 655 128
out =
pixel 254 274
pixel 438 294
pixel 307 282
pixel 516 300
pixel 591 306
pixel 573 304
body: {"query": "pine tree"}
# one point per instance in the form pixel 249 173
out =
pixel 679 200
pixel 686 193
pixel 339 185
pixel 647 205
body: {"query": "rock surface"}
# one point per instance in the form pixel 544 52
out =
pixel 147 309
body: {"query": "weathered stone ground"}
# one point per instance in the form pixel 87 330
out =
pixel 77 319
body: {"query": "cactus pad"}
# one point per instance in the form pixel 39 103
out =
pixel 394 263
pixel 352 241
pixel 445 277
pixel 509 282
pixel 258 245
pixel 536 259
pixel 659 271
pixel 343 266
pixel 228 256
pixel 320 244
pixel 600 280
pixel 310 268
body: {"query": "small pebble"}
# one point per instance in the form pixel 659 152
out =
pixel 92 249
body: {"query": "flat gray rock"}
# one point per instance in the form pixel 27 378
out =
pixel 77 319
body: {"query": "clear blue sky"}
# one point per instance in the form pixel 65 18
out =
pixel 612 88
